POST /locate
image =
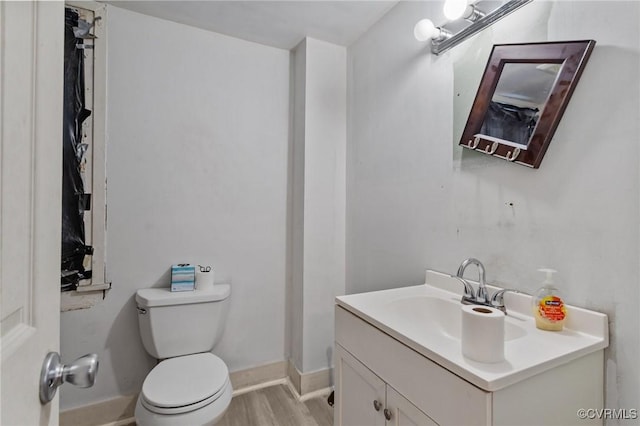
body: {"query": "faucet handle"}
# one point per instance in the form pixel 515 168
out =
pixel 497 300
pixel 469 293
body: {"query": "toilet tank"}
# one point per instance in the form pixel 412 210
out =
pixel 181 323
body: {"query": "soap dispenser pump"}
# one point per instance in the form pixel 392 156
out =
pixel 548 307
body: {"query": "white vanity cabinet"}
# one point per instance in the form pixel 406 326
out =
pixel 373 365
pixel 365 399
pixel 361 397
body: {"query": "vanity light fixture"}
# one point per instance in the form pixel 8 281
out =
pixel 443 39
pixel 426 30
pixel 456 9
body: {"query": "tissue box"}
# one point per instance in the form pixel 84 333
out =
pixel 183 277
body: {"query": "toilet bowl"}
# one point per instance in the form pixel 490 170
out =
pixel 191 386
pixel 187 390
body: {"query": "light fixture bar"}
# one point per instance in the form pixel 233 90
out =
pixel 438 47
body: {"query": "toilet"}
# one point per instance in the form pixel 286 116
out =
pixel 190 386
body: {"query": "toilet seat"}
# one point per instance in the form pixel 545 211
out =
pixel 183 384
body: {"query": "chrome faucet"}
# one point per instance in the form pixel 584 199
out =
pixel 470 297
pixel 482 297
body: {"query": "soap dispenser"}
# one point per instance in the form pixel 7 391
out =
pixel 548 307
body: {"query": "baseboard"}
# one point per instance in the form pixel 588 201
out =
pixel 120 411
pixel 258 375
pixel 131 421
pixel 295 377
pixel 306 383
pixel 117 411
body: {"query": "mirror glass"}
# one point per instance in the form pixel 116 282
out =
pixel 517 102
pixel 522 95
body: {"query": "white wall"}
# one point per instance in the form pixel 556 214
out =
pixel 296 293
pixel 197 172
pixel 320 122
pixel 416 201
pixel 324 197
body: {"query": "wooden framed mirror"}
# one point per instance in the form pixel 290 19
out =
pixel 523 93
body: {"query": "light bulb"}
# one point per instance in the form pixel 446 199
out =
pixel 424 30
pixel 454 9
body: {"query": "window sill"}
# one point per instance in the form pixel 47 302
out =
pixel 84 298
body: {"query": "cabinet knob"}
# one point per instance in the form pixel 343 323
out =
pixel 376 405
pixel 387 414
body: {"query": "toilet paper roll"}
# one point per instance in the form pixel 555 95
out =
pixel 204 280
pixel 482 333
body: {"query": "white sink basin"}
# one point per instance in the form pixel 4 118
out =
pixel 428 318
pixel 440 315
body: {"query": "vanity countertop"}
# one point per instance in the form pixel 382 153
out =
pixel 403 314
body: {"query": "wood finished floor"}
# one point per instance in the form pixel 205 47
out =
pixel 276 406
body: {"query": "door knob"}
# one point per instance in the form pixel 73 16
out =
pixel 81 372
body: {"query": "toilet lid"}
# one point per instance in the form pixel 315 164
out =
pixel 185 380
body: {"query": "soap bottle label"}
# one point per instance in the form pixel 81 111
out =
pixel 552 308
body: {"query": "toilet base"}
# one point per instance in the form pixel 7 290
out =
pixel 205 416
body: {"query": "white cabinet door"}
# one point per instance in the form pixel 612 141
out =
pixel 360 394
pixel 401 412
pixel 31 93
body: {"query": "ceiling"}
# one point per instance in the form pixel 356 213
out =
pixel 280 24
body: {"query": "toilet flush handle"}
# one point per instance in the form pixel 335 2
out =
pixel 81 372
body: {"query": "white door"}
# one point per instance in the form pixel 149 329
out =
pixel 360 394
pixel 31 93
